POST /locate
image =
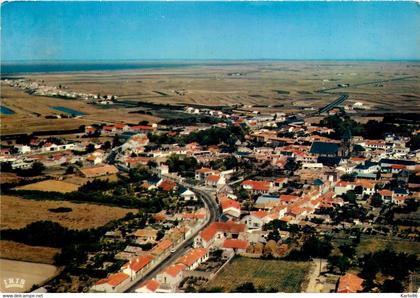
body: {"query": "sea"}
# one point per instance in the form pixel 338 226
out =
pixel 16 68
pixel 10 68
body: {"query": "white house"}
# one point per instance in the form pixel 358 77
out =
pixel 171 276
pixel 149 286
pixel 188 195
pixel 114 283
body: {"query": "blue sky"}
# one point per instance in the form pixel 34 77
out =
pixel 210 30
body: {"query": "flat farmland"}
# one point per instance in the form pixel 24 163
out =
pixel 18 251
pixel 30 273
pixel 284 276
pixel 17 213
pixel 51 185
pixel 31 111
pixel 291 84
pixel 277 86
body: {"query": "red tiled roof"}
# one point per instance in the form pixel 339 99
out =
pixel 235 244
pixel 257 185
pixel 229 226
pixel 259 214
pixel 228 203
pixel 167 185
pixel 213 178
pixel 152 285
pixel 350 283
pixel 204 170
pixel 114 279
pixel 173 270
pixel 164 244
pixel 192 256
pixel 288 198
pixel 140 262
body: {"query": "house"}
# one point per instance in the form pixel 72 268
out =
pixel 145 235
pixel 230 207
pixel 367 185
pixel 215 180
pixel 288 199
pixel 235 245
pixel 280 182
pixel 256 219
pixel 188 195
pixel 215 233
pixel 97 171
pixel 399 195
pixel 149 286
pixel 267 202
pixel 324 149
pixel 167 185
pixel 350 283
pixel 367 170
pixel 136 265
pixel 171 276
pixel 202 173
pixel 194 258
pixel 257 187
pixel 343 187
pixel 162 247
pixel 386 195
pixel 114 283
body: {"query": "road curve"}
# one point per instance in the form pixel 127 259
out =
pixel 213 210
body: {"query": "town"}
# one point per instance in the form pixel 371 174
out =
pixel 244 188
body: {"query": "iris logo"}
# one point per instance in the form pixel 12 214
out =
pixel 14 283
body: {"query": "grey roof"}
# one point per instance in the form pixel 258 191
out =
pixel 264 199
pixel 324 148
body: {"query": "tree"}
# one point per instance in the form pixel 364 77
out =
pixel 69 170
pixel 274 235
pixel 376 200
pixel 247 287
pixel 350 197
pixel 314 247
pixel 106 145
pixel 340 262
pixel 90 148
pixel 392 286
pixel 347 250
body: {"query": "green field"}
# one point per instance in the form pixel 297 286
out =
pixel 375 243
pixel 284 276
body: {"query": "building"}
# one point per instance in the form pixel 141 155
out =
pixel 114 283
pixel 171 276
pixel 350 283
pixel 194 258
pixel 149 286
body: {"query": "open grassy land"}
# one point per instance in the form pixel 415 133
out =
pixel 31 111
pixel 31 273
pixel 284 276
pixel 289 83
pixel 51 185
pixel 17 213
pixel 372 244
pixel 22 252
pixel 284 86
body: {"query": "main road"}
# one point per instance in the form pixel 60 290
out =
pixel 207 196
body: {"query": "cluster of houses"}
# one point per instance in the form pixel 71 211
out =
pixel 316 172
pixel 41 89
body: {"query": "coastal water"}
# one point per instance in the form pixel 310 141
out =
pixel 6 111
pixel 68 111
pixel 11 68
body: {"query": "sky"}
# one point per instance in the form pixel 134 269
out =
pixel 209 30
